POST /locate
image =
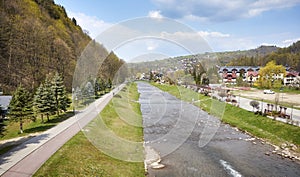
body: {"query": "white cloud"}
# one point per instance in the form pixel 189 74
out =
pixel 207 34
pixel 92 24
pixel 219 10
pixel 289 42
pixel 205 41
pixel 155 14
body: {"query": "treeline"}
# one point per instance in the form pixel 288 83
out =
pixel 37 38
pixel 50 98
pixel 288 56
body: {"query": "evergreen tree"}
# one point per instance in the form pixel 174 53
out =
pixel 109 84
pixel 151 76
pixel 38 102
pixel 62 101
pixel 97 87
pixel 48 99
pixel 21 106
pixel 102 85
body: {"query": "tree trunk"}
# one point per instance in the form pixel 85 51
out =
pixel 42 117
pixel 21 125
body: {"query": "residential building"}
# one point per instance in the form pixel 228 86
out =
pixel 250 74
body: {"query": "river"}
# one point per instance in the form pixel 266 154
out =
pixel 192 143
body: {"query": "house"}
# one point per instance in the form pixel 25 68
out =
pixel 250 74
pixel 4 103
pixel 229 74
pixel 290 77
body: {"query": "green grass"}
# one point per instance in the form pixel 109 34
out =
pixel 11 129
pixel 79 157
pixel 273 131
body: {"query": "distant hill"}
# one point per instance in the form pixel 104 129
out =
pixel 181 62
pixel 287 56
pixel 37 38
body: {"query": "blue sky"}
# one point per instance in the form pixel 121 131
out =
pixel 225 25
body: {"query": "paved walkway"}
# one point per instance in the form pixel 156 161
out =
pixel 28 157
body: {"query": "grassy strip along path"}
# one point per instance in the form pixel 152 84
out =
pixel 79 157
pixel 272 131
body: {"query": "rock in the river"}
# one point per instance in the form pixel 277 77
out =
pixel 157 165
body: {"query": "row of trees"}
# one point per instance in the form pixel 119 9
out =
pixel 91 90
pixel 50 98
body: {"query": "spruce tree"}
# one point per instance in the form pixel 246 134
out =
pixel 48 99
pixel 38 102
pixel 109 84
pixel 21 106
pixel 60 94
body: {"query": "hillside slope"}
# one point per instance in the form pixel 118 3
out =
pixel 37 38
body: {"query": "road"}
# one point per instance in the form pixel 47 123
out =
pixel 192 143
pixel 28 157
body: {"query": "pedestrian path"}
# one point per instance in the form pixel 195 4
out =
pixel 28 157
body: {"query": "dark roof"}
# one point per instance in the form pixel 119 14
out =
pixel 4 101
pixel 231 68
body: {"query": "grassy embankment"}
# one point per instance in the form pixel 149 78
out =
pixel 274 132
pixel 79 157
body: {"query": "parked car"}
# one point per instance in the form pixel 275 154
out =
pixel 268 92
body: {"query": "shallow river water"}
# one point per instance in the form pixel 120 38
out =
pixel 192 143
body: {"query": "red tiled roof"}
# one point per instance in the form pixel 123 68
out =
pixel 252 73
pixel 293 74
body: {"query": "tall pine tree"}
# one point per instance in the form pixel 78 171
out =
pixel 44 101
pixel 21 106
pixel 48 99
pixel 38 102
pixel 62 101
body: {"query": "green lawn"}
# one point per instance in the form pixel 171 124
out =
pixel 11 129
pixel 273 131
pixel 80 157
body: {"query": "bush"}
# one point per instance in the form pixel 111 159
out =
pixel 254 104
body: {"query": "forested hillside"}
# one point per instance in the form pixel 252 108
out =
pixel 37 38
pixel 289 56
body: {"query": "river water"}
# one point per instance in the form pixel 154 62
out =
pixel 192 143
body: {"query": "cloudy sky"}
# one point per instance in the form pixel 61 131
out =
pixel 224 25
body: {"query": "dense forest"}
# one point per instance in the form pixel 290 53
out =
pixel 37 38
pixel 288 56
